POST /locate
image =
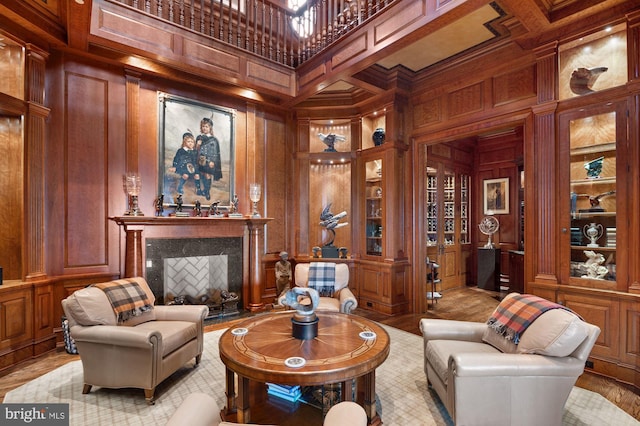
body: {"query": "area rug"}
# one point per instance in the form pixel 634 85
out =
pixel 401 388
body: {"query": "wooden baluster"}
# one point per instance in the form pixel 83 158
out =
pixel 159 9
pixel 202 17
pixel 135 4
pixel 255 26
pixel 247 39
pixel 230 28
pixel 221 23
pixel 171 10
pixel 211 19
pixel 147 6
pixel 182 12
pixel 239 26
pixel 192 24
pixel 263 31
pixel 270 31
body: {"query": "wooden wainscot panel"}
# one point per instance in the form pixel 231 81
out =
pixel 80 252
pixel 15 312
pixel 353 49
pixel 270 77
pixel 370 281
pixel 43 311
pixel 427 112
pixel 630 333
pixel 211 58
pixel 16 324
pixel 112 25
pixel 466 100
pixel 513 86
pixel 600 309
pixel 408 15
pixel 317 72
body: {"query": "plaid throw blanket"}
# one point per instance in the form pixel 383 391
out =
pixel 322 277
pixel 513 315
pixel 127 298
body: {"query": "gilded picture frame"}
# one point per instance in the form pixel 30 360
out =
pixel 205 173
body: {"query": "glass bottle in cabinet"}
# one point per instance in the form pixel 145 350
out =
pixel 449 208
pixel 464 209
pixel 432 207
pixel 373 206
pixel 595 153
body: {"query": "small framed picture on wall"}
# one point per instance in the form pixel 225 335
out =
pixel 496 196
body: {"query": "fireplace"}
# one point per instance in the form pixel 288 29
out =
pixel 149 240
pixel 196 271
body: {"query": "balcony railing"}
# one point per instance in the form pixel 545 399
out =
pixel 260 27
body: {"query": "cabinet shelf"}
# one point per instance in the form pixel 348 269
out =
pixel 604 180
pixel 612 249
pixel 590 215
pixel 594 149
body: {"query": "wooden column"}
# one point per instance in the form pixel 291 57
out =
pixel 33 265
pixel 133 258
pixel 545 162
pixel 256 275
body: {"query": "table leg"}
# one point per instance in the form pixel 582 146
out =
pixel 367 397
pixel 230 393
pixel 244 413
pixel 347 391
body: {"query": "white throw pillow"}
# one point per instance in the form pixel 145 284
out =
pixel 557 332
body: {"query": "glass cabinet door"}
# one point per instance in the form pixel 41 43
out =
pixel 596 152
pixel 447 220
pixel 373 207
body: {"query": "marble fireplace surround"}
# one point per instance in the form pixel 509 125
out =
pixel 193 266
pixel 246 232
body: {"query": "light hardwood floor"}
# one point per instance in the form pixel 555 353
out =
pixel 466 304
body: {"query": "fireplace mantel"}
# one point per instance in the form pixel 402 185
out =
pixel 138 228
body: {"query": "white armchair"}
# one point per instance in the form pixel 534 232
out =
pixel 343 299
pixel 482 385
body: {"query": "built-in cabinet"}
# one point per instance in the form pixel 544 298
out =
pixel 356 165
pixel 374 212
pixel 594 146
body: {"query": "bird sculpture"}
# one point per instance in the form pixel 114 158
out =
pixel 594 200
pixel 330 140
pixel 331 222
pixel 583 79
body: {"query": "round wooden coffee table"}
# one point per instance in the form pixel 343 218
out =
pixel 263 349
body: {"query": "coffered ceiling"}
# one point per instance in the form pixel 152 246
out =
pixel 488 23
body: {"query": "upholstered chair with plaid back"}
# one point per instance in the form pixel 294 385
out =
pixel 125 341
pixel 331 280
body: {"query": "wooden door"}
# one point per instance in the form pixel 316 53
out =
pixel 447 221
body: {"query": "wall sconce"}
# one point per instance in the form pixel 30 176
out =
pixel 132 186
pixel 254 194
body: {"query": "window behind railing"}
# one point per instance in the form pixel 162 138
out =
pixel 286 36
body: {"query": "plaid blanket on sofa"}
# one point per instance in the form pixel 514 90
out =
pixel 127 298
pixel 322 278
pixel 514 314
